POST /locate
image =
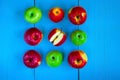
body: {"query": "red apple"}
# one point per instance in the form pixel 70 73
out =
pixel 57 37
pixel 77 59
pixel 77 15
pixel 33 36
pixel 32 59
pixel 56 14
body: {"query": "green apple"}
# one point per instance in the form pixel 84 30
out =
pixel 33 15
pixel 54 58
pixel 78 37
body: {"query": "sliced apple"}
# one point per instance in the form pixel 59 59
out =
pixel 57 37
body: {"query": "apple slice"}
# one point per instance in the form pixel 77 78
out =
pixel 57 37
pixel 55 34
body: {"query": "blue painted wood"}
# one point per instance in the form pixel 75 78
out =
pixel 102 47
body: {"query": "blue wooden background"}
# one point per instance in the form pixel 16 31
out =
pixel 102 47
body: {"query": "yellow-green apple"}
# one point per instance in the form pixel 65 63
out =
pixel 78 37
pixel 33 36
pixel 54 58
pixel 77 59
pixel 33 15
pixel 77 15
pixel 57 37
pixel 56 14
pixel 32 59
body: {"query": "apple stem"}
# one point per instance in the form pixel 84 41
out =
pixel 78 74
pixel 53 58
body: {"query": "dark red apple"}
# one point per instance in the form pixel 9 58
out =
pixel 77 59
pixel 32 59
pixel 33 36
pixel 57 37
pixel 77 15
pixel 56 14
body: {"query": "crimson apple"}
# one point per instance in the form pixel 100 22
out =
pixel 56 14
pixel 33 36
pixel 57 37
pixel 77 15
pixel 32 59
pixel 77 59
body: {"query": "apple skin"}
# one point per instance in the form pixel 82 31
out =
pixel 54 58
pixel 57 37
pixel 56 14
pixel 33 15
pixel 33 36
pixel 32 59
pixel 77 15
pixel 77 59
pixel 78 37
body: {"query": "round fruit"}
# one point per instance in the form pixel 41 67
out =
pixel 78 37
pixel 54 58
pixel 57 37
pixel 32 59
pixel 33 36
pixel 77 15
pixel 77 59
pixel 33 15
pixel 56 14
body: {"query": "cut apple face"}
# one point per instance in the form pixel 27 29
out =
pixel 57 37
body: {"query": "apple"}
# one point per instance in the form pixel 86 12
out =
pixel 54 58
pixel 77 15
pixel 33 36
pixel 33 15
pixel 78 37
pixel 57 37
pixel 32 59
pixel 77 59
pixel 56 14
